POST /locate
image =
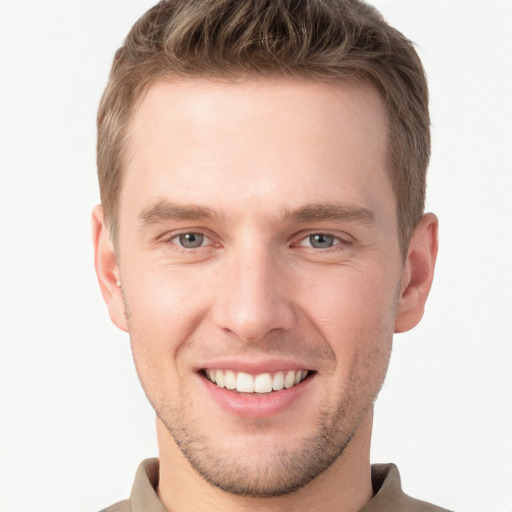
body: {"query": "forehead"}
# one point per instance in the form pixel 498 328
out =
pixel 256 144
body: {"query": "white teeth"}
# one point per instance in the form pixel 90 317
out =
pixel 219 378
pixel 278 381
pixel 261 383
pixel 230 379
pixel 289 380
pixel 244 383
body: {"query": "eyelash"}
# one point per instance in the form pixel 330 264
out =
pixel 339 242
pixel 179 247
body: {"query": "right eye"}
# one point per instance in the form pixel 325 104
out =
pixel 321 241
pixel 190 240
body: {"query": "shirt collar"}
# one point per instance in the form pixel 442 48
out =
pixel 386 484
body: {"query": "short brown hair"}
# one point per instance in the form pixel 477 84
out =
pixel 316 39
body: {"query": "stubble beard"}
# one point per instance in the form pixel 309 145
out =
pixel 283 472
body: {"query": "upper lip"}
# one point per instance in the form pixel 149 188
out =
pixel 254 367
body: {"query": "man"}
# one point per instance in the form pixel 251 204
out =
pixel 261 237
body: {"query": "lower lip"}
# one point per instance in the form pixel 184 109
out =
pixel 252 405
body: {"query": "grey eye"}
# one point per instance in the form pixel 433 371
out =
pixel 321 241
pixel 191 240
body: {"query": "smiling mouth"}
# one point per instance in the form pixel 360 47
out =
pixel 262 383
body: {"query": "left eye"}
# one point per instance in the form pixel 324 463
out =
pixel 190 240
pixel 320 241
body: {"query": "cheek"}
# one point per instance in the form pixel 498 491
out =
pixel 353 301
pixel 163 310
pixel 165 300
pixel 354 310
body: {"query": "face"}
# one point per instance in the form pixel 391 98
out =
pixel 260 268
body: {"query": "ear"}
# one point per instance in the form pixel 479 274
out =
pixel 417 274
pixel 107 270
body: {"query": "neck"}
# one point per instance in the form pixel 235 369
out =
pixel 344 487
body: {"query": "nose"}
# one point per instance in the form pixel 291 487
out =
pixel 254 296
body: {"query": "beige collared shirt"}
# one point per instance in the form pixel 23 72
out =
pixel 388 494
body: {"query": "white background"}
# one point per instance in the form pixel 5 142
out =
pixel 74 423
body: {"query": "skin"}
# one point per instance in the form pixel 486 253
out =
pixel 256 169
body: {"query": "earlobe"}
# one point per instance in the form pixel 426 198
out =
pixel 418 273
pixel 107 270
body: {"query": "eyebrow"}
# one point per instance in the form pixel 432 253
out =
pixel 330 211
pixel 164 211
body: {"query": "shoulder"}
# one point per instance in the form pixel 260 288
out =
pixel 143 495
pixel 389 495
pixel 122 506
